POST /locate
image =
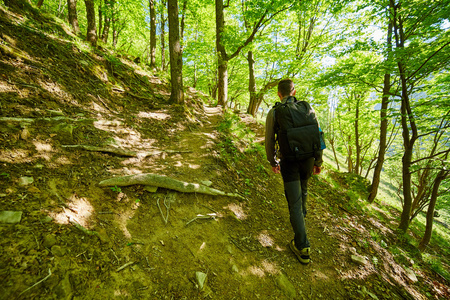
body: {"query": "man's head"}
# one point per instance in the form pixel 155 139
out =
pixel 286 88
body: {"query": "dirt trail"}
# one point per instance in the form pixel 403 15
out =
pixel 150 245
pixel 77 240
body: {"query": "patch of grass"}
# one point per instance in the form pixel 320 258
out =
pixel 435 263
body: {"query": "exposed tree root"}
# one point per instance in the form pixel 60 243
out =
pixel 122 152
pixel 165 182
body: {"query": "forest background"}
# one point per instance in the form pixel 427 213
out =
pixel 375 72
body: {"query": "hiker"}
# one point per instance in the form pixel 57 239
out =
pixel 295 164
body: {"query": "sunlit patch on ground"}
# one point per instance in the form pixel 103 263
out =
pixel 270 267
pixel 237 210
pixel 78 210
pixel 278 248
pixel 265 239
pixel 42 147
pixel 122 220
pixel 380 226
pixel 262 269
pixel 63 160
pixel 98 108
pixel 255 270
pixel 153 115
pixel 16 156
pixel 106 124
pixel 202 246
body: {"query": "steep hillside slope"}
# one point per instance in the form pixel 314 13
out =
pixel 72 116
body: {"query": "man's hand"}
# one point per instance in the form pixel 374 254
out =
pixel 316 170
pixel 276 169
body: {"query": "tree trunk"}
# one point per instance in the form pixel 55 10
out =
pixel 357 142
pixel 182 25
pixel 73 17
pixel 260 95
pixel 91 35
pixel 334 153
pixel 108 7
pixel 163 46
pixel 383 124
pixel 39 4
pixel 252 106
pixel 151 4
pixel 100 19
pixel 408 143
pixel 106 27
pixel 430 212
pixel 176 63
pixel 409 133
pixel 115 30
pixel 350 153
pixel 222 70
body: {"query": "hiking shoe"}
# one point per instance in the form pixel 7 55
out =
pixel 302 255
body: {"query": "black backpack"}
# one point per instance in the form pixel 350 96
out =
pixel 298 133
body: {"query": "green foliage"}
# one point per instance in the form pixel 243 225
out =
pixel 116 189
pixel 435 263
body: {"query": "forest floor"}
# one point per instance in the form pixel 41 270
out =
pixel 71 117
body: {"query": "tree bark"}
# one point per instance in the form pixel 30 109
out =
pixel 222 69
pixel 182 25
pixel 39 4
pixel 409 128
pixel 350 154
pixel 176 63
pixel 252 106
pixel 151 4
pixel 430 212
pixel 100 19
pixel 109 6
pixel 357 142
pixel 334 153
pixel 163 46
pixel 91 34
pixel 73 17
pixel 383 124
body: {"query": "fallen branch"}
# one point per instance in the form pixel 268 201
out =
pixel 112 150
pixel 122 152
pixel 124 266
pixel 165 218
pixel 208 216
pixel 165 182
pixel 42 280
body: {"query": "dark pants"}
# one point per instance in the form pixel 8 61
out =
pixel 295 177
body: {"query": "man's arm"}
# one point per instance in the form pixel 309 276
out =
pixel 270 139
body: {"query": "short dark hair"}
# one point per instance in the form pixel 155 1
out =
pixel 285 87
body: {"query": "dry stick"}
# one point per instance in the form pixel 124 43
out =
pixel 208 208
pixel 201 217
pixel 42 280
pixel 124 266
pixel 166 219
pixel 115 255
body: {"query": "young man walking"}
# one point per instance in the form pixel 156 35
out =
pixel 295 169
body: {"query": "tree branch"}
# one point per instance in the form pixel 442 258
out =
pixel 431 156
pixel 428 59
pixel 262 21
